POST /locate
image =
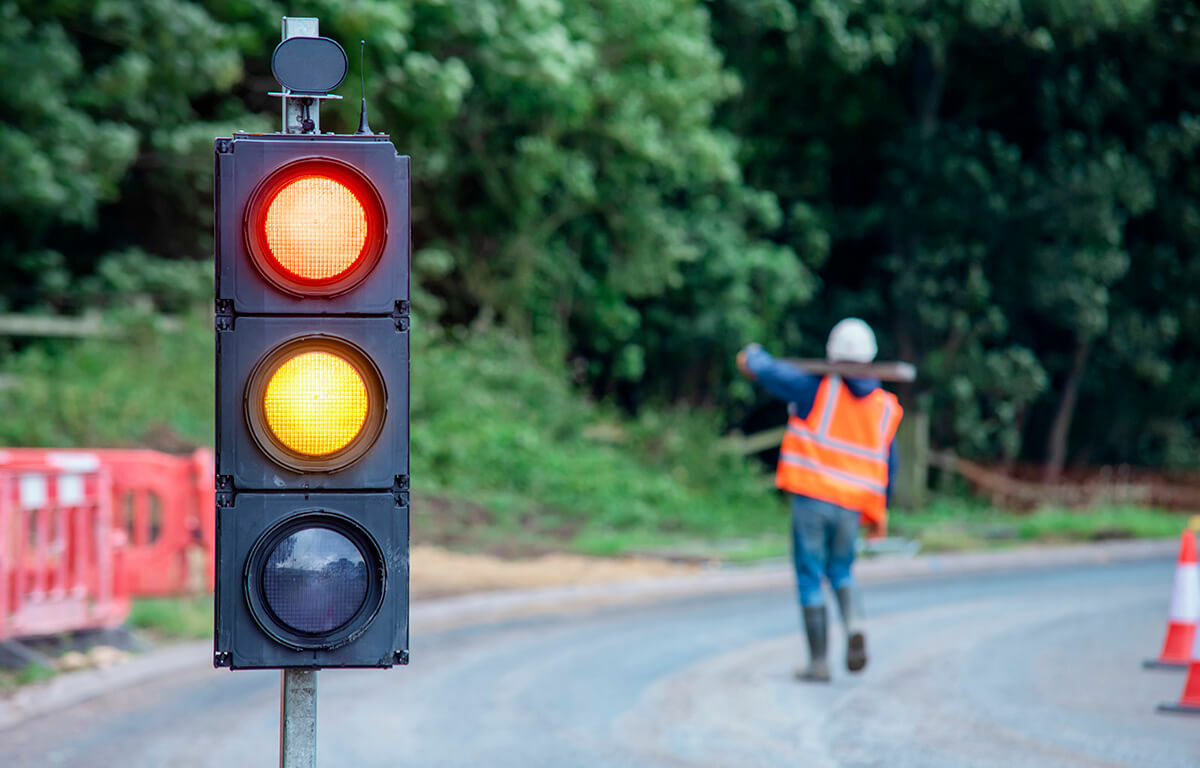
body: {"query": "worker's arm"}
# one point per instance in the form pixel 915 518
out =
pixel 783 380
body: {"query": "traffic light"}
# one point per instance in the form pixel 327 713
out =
pixel 312 259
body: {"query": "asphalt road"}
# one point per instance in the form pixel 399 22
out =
pixel 1036 668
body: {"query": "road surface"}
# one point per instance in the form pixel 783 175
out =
pixel 1039 668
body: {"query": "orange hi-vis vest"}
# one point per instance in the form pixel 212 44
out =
pixel 839 452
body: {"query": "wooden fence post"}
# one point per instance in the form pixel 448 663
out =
pixel 912 447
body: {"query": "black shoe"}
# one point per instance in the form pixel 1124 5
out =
pixel 856 641
pixel 856 651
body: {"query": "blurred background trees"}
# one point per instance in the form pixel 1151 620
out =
pixel 990 177
pixel 634 189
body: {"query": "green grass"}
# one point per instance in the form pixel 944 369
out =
pixel 761 546
pixel 143 387
pixel 33 673
pixel 182 618
pixel 165 618
pixel 956 524
pixel 947 525
pixel 493 426
pixel 507 455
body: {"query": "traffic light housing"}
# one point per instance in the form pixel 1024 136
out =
pixel 272 260
pixel 267 362
pixel 312 353
pixel 317 581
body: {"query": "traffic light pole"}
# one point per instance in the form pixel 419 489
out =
pixel 298 687
pixel 312 240
pixel 298 719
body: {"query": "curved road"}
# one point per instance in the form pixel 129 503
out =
pixel 1040 668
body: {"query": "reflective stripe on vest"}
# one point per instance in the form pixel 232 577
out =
pixel 839 453
pixel 843 476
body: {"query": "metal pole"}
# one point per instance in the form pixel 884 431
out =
pixel 295 110
pixel 298 687
pixel 298 719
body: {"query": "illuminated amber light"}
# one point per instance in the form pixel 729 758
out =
pixel 316 228
pixel 316 403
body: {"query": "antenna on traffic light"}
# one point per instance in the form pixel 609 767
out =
pixel 363 126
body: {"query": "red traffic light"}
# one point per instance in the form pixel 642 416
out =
pixel 315 227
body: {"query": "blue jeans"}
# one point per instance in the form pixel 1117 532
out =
pixel 823 537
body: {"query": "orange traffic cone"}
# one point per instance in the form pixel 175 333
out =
pixel 1189 702
pixel 1185 609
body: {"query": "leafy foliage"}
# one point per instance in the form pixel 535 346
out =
pixel 991 178
pixel 636 188
pixel 106 138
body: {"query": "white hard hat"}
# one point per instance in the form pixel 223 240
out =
pixel 851 340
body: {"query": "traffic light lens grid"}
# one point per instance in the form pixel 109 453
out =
pixel 316 403
pixel 315 580
pixel 316 228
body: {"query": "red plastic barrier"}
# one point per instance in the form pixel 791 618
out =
pixel 61 568
pixel 163 503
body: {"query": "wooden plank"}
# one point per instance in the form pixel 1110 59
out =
pixel 885 371
pixel 1007 491
pixel 91 324
pixel 67 326
pixel 755 443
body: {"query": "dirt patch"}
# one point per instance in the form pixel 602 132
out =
pixel 466 526
pixel 459 546
pixel 100 657
pixel 439 572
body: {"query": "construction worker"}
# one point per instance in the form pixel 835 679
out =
pixel 837 461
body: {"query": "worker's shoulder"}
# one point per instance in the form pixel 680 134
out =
pixel 861 388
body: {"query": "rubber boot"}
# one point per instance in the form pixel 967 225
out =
pixel 816 628
pixel 856 640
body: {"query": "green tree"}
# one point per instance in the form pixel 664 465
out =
pixel 987 175
pixel 569 179
pixel 104 137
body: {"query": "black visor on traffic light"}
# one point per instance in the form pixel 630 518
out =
pixel 315 403
pixel 315 580
pixel 315 227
